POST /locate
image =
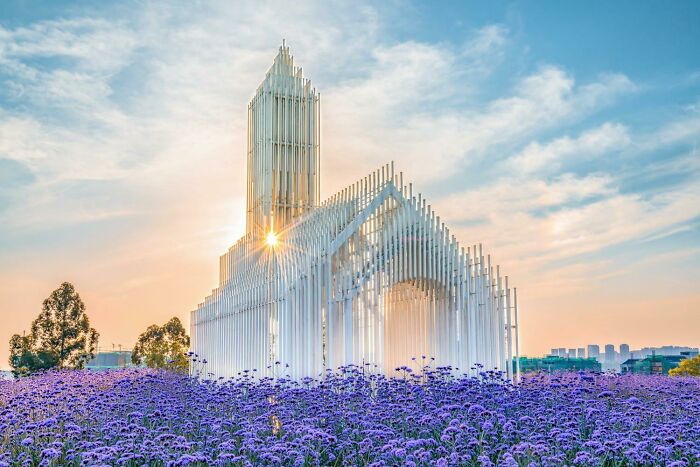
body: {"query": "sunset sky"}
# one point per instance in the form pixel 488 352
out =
pixel 562 135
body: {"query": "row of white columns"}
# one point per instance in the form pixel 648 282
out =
pixel 283 178
pixel 372 276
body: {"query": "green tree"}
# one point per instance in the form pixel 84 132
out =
pixel 61 335
pixel 25 359
pixel 163 347
pixel 688 367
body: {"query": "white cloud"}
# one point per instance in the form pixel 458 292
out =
pixel 551 156
pixel 369 124
pixel 679 131
pixel 97 44
pixel 536 223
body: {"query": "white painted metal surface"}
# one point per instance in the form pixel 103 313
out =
pixel 371 276
pixel 283 148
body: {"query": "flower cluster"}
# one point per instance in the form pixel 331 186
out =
pixel 348 417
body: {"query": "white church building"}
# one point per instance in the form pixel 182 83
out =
pixel 370 276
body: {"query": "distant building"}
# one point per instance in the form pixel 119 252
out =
pixel 108 360
pixel 624 352
pixel 555 364
pixel 663 350
pixel 651 365
pixel 6 374
pixel 611 360
pixel 610 353
pixel 558 352
pixel 593 351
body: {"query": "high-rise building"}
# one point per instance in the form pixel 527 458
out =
pixel 571 353
pixel 624 352
pixel 553 364
pixel 610 354
pixel 593 351
pixel 371 276
pixel 581 352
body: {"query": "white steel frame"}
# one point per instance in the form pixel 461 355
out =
pixel 370 276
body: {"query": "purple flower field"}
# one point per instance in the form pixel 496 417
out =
pixel 144 417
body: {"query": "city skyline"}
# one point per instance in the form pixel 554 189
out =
pixel 121 152
pixel 621 352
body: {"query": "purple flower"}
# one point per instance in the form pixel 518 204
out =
pixel 50 453
pixel 142 416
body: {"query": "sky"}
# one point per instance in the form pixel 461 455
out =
pixel 561 135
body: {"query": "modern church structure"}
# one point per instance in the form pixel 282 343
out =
pixel 370 276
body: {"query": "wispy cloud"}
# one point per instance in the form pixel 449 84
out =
pixel 552 156
pixel 369 121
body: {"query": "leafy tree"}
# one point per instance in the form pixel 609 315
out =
pixel 24 359
pixel 688 367
pixel 163 346
pixel 61 336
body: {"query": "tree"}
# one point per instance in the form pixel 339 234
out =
pixel 61 335
pixel 163 346
pixel 688 367
pixel 24 359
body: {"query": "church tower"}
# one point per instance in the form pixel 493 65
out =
pixel 283 148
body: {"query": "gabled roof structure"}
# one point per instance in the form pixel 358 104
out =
pixel 371 276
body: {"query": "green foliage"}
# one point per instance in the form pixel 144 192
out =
pixel 61 336
pixel 25 358
pixel 687 367
pixel 163 347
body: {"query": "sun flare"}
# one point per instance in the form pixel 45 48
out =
pixel 271 239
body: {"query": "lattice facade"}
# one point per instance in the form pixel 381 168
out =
pixel 283 148
pixel 371 276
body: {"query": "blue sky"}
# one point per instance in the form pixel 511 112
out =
pixel 562 135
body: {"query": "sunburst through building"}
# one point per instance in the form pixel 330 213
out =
pixel 370 276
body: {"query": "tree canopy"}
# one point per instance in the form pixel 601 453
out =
pixel 687 367
pixel 60 336
pixel 163 346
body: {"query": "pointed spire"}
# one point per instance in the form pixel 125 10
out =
pixel 284 63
